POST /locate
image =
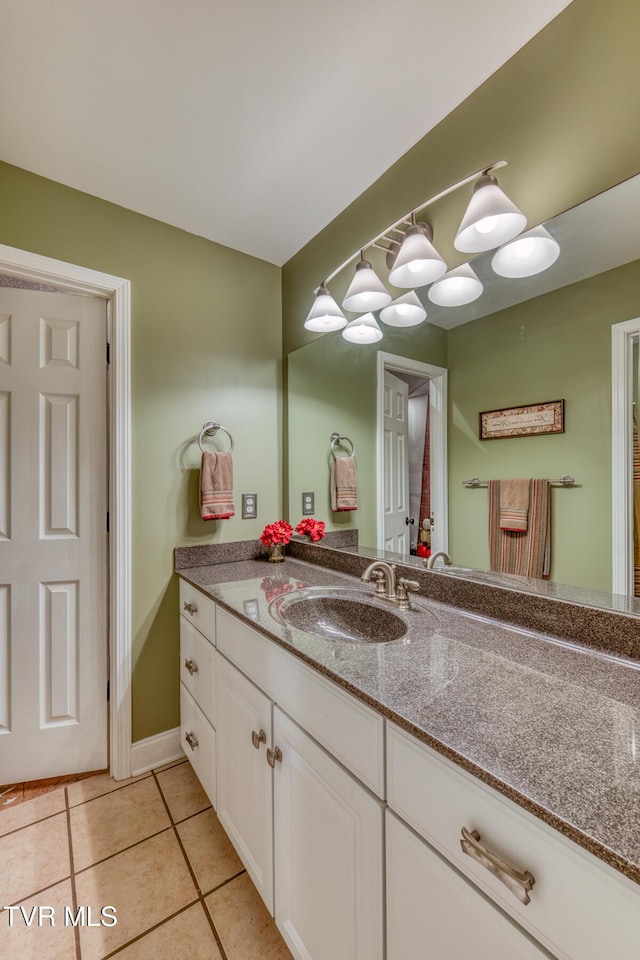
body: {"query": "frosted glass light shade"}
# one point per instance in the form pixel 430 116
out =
pixel 461 285
pixel 404 311
pixel 366 292
pixel 491 219
pixel 418 262
pixel 534 251
pixel 363 330
pixel 325 314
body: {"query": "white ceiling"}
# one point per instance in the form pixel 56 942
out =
pixel 250 122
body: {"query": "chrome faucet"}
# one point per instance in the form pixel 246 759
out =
pixel 387 589
pixel 429 563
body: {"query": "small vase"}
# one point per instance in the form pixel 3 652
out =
pixel 276 552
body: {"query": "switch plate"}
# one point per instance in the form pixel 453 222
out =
pixel 249 506
pixel 308 504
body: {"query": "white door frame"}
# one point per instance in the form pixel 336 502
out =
pixel 622 335
pixel 117 291
pixel 438 404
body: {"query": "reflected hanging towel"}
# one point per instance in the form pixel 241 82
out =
pixel 343 482
pixel 514 505
pixel 216 486
pixel 636 506
pixel 526 554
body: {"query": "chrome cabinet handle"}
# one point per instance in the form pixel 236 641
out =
pixel 518 883
pixel 274 756
pixel 191 666
pixel 190 608
pixel 191 740
pixel 258 738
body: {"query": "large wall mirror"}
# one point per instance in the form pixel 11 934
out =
pixel 524 341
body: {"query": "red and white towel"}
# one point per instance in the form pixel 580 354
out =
pixel 216 486
pixel 343 483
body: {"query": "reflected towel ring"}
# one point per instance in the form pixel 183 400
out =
pixel 337 438
pixel 210 429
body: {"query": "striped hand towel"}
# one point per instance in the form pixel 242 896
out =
pixel 527 554
pixel 216 486
pixel 343 483
pixel 514 505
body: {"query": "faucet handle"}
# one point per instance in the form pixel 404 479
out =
pixel 379 578
pixel 406 585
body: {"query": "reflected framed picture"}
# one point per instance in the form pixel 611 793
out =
pixel 531 420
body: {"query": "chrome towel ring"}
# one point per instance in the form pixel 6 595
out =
pixel 337 440
pixel 209 429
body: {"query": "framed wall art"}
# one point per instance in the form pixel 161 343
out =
pixel 528 421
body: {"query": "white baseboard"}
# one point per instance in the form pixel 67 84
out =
pixel 154 751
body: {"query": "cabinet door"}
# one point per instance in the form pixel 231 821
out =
pixel 433 912
pixel 244 789
pixel 328 853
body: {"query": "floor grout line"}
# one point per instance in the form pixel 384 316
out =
pixel 124 850
pixel 74 895
pixel 208 916
pixel 224 883
pixel 30 896
pixel 179 823
pixel 25 826
pixel 140 936
pixel 107 793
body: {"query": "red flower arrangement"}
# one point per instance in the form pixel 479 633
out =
pixel 278 532
pixel 314 529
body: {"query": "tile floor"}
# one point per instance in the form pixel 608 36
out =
pixel 152 848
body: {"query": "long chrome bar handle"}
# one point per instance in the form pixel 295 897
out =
pixel 190 607
pixel 518 883
pixel 191 740
pixel 191 666
pixel 274 756
pixel 258 737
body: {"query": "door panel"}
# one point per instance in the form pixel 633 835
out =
pixel 53 540
pixel 396 464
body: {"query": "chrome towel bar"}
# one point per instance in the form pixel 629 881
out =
pixel 566 481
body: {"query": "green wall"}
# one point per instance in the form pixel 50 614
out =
pixel 206 344
pixel 564 113
pixel 557 346
pixel 332 389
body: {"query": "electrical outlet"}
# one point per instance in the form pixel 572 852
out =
pixel 249 506
pixel 308 504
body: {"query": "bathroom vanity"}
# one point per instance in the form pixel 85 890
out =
pixel 467 789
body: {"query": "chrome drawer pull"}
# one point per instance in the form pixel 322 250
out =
pixel 191 740
pixel 191 666
pixel 518 883
pixel 258 738
pixel 274 756
pixel 190 608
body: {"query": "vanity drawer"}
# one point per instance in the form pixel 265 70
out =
pixel 198 739
pixel 197 667
pixel 579 909
pixel 198 609
pixel 350 730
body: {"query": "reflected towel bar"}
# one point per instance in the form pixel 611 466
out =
pixel 566 481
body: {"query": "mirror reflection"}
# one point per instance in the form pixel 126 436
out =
pixel 524 341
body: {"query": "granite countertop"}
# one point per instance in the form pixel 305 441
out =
pixel 553 726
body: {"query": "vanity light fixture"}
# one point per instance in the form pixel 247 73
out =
pixel 534 251
pixel 491 219
pixel 325 314
pixel 366 292
pixel 363 329
pixel 458 287
pixel 404 311
pixel 417 261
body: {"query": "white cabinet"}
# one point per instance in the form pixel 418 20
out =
pixel 316 854
pixel 245 794
pixel 197 685
pixel 433 912
pixel 328 853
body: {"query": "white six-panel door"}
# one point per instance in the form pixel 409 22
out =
pixel 396 464
pixel 53 539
